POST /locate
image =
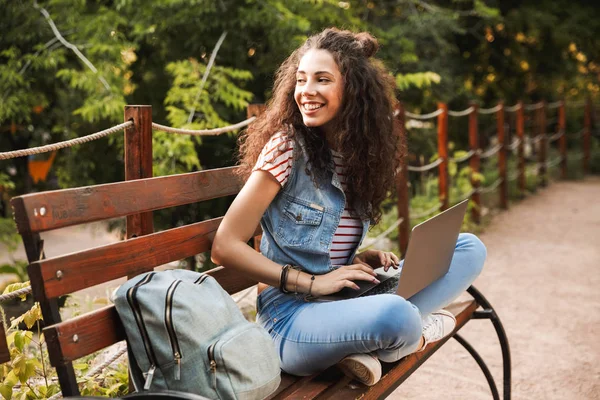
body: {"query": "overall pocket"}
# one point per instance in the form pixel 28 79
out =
pixel 299 223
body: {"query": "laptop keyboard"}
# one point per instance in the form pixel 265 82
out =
pixel 387 286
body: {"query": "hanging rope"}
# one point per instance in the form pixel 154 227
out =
pixel 537 139
pixel 424 116
pixel 489 110
pixel 556 136
pixel 535 106
pixel 556 104
pixel 118 354
pixel 426 167
pixel 514 145
pixel 15 294
pixel 461 113
pixel 490 188
pixel 203 132
pixel 383 234
pixel 427 212
pixel 490 152
pixel 512 108
pixel 463 158
pixel 67 143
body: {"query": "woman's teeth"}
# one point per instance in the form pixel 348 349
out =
pixel 310 107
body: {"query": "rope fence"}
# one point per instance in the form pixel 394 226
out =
pixel 490 188
pixel 203 132
pixel 67 143
pixel 514 108
pixel 490 152
pixel 556 136
pixel 467 156
pixel 462 113
pixel 16 294
pixel 490 110
pixel 427 167
pixel 431 115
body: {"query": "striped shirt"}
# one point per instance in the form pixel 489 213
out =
pixel 277 158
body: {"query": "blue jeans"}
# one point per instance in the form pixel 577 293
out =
pixel 312 336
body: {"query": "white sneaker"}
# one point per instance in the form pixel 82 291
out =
pixel 363 367
pixel 437 326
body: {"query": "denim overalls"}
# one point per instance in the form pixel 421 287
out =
pixel 299 224
pixel 298 228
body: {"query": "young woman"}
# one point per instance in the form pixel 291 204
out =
pixel 319 162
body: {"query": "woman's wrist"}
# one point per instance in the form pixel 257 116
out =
pixel 299 282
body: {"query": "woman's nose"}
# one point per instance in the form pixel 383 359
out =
pixel 309 89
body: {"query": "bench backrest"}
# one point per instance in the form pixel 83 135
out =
pixel 66 274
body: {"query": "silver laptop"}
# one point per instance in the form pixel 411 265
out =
pixel 428 258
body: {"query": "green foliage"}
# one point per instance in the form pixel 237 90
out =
pixel 418 80
pixel 29 375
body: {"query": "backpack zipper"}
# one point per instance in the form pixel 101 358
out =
pixel 171 328
pixel 137 313
pixel 213 363
pixel 177 356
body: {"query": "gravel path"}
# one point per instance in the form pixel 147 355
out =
pixel 542 276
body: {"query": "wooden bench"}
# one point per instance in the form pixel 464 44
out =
pixel 144 250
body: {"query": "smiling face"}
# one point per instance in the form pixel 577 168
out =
pixel 319 88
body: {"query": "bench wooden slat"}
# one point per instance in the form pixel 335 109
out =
pixel 67 207
pixel 396 373
pixel 312 387
pixel 131 257
pixel 83 335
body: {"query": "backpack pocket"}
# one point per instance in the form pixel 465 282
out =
pixel 242 371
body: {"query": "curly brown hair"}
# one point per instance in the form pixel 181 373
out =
pixel 366 132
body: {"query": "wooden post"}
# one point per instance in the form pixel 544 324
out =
pixel 543 173
pixel 138 162
pixel 502 157
pixel 255 110
pixel 521 150
pixel 34 248
pixel 587 135
pixel 443 154
pixel 562 142
pixel 138 165
pixel 474 163
pixel 402 184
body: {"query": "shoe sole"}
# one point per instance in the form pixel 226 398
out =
pixel 357 370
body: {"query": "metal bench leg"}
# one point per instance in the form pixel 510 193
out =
pixel 481 363
pixel 489 313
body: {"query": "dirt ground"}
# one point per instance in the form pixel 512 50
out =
pixel 542 276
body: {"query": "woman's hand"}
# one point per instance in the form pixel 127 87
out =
pixel 377 258
pixel 342 277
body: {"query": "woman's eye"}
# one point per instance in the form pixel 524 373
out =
pixel 299 80
pixel 323 80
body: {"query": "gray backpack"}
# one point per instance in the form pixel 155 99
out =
pixel 185 333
